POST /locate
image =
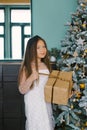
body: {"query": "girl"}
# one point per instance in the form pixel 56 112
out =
pixel 32 82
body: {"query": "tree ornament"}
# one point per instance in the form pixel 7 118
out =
pixel 82 75
pixel 75 54
pixel 52 59
pixel 82 128
pixel 83 5
pixel 80 41
pixel 74 100
pixel 82 86
pixel 77 100
pixel 71 106
pixel 84 25
pixel 78 94
pixel 85 51
pixel 86 123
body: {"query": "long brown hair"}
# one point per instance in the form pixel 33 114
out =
pixel 30 55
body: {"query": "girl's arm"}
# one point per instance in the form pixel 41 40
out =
pixel 25 84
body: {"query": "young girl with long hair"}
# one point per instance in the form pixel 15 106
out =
pixel 33 76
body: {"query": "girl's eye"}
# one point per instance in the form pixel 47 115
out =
pixel 44 46
pixel 38 47
pixel 41 47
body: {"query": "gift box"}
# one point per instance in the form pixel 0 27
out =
pixel 58 87
pixel 54 74
pixel 49 89
pixel 66 76
pixel 61 91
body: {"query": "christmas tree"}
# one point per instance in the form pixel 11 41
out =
pixel 73 116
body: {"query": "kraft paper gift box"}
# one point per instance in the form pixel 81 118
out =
pixel 57 89
pixel 61 91
pixel 66 76
pixel 50 83
pixel 49 89
pixel 54 74
pixel 63 75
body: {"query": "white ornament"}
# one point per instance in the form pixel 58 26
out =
pixel 52 59
pixel 80 41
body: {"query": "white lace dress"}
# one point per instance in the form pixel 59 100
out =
pixel 38 112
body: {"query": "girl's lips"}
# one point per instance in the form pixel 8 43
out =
pixel 42 53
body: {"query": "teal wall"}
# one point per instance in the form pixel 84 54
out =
pixel 49 18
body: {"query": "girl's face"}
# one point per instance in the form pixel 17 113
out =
pixel 41 49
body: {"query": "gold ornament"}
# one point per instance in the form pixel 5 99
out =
pixel 72 106
pixel 86 123
pixel 82 128
pixel 82 86
pixel 85 51
pixel 78 95
pixel 77 100
pixel 84 25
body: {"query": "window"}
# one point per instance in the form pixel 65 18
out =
pixel 15 30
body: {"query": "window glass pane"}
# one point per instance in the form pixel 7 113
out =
pixel 1 30
pixel 1 48
pixel 27 30
pixel 25 43
pixel 16 42
pixel 20 16
pixel 1 15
